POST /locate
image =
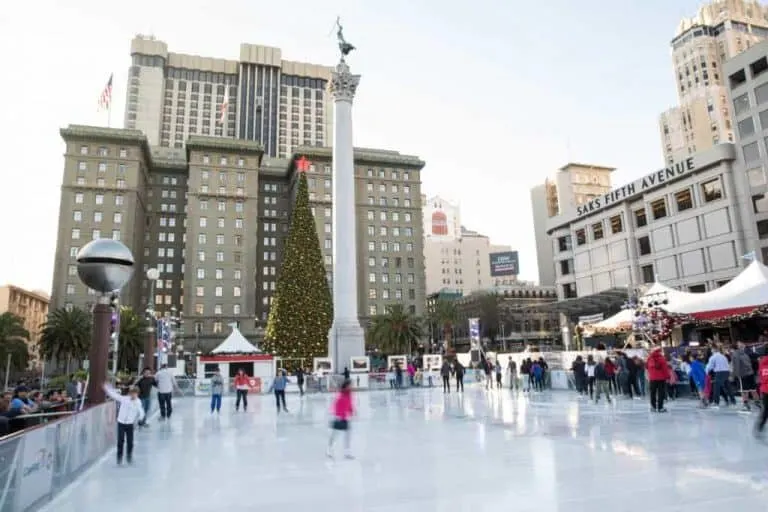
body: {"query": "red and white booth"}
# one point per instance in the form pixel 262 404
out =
pixel 742 295
pixel 234 354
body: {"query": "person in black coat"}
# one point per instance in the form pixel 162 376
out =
pixel 579 375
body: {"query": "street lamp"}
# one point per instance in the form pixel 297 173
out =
pixel 150 341
pixel 103 265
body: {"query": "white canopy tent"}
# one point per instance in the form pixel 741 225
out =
pixel 236 344
pixel 743 294
pixel 658 292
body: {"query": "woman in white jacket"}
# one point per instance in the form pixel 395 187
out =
pixel 129 412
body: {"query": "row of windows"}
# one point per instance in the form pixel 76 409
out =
pixel 398 295
pixel 397 262
pixel 711 190
pixel 218 291
pixel 383 215
pixel 237 257
pixel 384 231
pixel 103 151
pixel 385 246
pixel 117 217
pixel 223 176
pixel 95 234
pixel 218 273
pixel 222 205
pixel 396 278
pixel 202 239
pixel 220 222
pixel 374 309
pixel 101 167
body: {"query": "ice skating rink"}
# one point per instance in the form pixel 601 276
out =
pixel 422 451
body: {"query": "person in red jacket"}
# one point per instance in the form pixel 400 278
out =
pixel 658 374
pixel 762 373
pixel 242 385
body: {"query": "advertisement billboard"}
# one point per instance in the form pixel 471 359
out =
pixel 504 263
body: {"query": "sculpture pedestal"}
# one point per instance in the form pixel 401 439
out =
pixel 346 339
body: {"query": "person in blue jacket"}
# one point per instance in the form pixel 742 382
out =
pixel 699 377
pixel 278 386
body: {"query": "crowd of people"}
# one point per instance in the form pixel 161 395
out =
pixel 26 405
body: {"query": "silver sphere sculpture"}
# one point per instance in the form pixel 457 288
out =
pixel 105 265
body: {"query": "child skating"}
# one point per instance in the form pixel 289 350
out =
pixel 342 412
pixel 217 390
pixel 130 411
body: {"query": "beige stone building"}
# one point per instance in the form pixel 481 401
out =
pixel 720 30
pixel 574 184
pixel 280 103
pixel 212 218
pixel 32 307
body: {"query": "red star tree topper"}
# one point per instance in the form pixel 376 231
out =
pixel 303 164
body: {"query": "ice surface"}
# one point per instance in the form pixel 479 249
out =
pixel 422 451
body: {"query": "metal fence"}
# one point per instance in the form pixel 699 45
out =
pixel 38 463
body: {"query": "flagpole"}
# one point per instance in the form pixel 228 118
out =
pixel 109 115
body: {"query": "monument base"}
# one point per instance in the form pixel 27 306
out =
pixel 345 340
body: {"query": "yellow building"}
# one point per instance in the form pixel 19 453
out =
pixel 32 307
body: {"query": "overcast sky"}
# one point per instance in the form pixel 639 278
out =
pixel 493 94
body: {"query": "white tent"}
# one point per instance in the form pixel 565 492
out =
pixel 658 292
pixel 743 294
pixel 236 344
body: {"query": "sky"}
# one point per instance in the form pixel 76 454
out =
pixel 494 95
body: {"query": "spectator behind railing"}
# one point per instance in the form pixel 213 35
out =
pixel 5 426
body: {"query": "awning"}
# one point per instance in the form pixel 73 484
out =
pixel 607 300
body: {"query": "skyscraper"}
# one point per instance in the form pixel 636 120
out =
pixel 720 30
pixel 212 217
pixel 260 97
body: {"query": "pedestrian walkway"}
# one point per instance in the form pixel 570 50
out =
pixel 422 451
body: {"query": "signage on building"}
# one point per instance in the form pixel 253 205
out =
pixel 652 180
pixel 504 263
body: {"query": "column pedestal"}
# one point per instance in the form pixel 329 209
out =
pixel 98 356
pixel 346 340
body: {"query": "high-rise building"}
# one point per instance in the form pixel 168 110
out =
pixel 574 184
pixel 456 258
pixel 720 30
pixel 213 216
pixel 260 97
pixel 32 308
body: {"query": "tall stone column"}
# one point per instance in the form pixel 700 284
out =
pixel 98 357
pixel 150 345
pixel 346 338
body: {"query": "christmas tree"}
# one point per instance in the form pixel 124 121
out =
pixel 302 309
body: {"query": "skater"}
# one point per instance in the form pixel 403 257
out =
pixel 499 373
pixel 278 387
pixel 300 380
pixel 718 364
pixel 742 371
pixel 579 375
pixel 602 382
pixel 445 373
pixel 217 389
pixel 658 375
pixel 242 385
pixel 590 371
pixel 145 384
pixel 165 383
pixel 512 368
pixel 458 370
pixel 762 372
pixel 698 375
pixel 342 412
pixel 129 412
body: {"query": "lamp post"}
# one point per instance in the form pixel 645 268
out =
pixel 104 265
pixel 150 341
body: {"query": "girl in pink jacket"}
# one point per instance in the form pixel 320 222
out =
pixel 342 412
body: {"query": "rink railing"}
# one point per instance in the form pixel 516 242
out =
pixel 36 464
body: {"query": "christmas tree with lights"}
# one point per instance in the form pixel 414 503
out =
pixel 301 313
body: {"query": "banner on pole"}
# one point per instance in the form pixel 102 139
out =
pixel 474 331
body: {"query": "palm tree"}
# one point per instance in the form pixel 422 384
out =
pixel 445 316
pixel 395 331
pixel 13 341
pixel 132 332
pixel 66 335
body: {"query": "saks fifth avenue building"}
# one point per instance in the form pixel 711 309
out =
pixel 680 225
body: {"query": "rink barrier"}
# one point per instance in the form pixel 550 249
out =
pixel 37 464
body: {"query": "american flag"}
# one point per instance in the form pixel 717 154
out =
pixel 224 107
pixel 105 100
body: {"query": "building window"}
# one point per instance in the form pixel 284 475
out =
pixel 648 274
pixel 762 229
pixel 564 243
pixel 741 104
pixel 644 245
pixel 70 289
pixel 760 203
pixel 581 237
pixel 597 231
pixel 659 208
pixel 751 153
pixel 712 190
pixel 75 234
pixel 746 127
pixel 640 218
pixel 617 226
pixel 566 267
pixel 79 198
pixel 684 200
pixel 569 291
pixel 77 216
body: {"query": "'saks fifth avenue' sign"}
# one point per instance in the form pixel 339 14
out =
pixel 638 186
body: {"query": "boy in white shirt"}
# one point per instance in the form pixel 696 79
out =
pixel 129 412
